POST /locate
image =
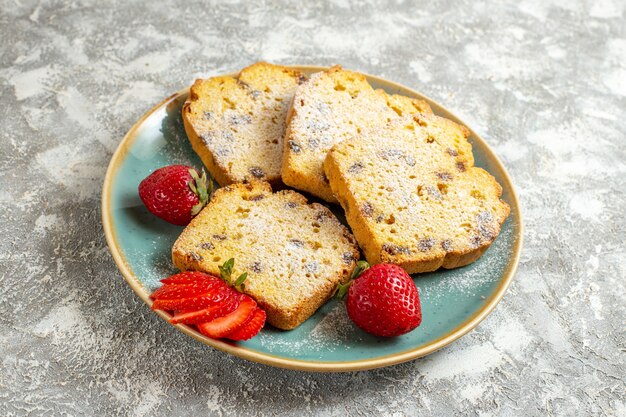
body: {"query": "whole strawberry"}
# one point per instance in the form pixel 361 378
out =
pixel 175 193
pixel 384 301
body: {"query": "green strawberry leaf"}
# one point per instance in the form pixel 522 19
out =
pixel 358 269
pixel 342 290
pixel 202 187
pixel 241 279
pixel 239 282
pixel 226 270
pixel 196 209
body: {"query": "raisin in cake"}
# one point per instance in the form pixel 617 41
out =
pixel 295 253
pixel 413 197
pixel 236 125
pixel 332 106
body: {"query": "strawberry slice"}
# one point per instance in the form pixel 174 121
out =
pixel 174 291
pixel 200 302
pixel 202 316
pixel 223 326
pixel 251 328
pixel 189 277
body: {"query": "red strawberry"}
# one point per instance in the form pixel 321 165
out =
pixel 201 316
pixel 189 277
pixel 210 298
pixel 208 302
pixel 251 328
pixel 384 301
pixel 175 193
pixel 223 326
pixel 190 291
pixel 172 292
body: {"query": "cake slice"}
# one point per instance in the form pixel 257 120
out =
pixel 295 253
pixel 413 197
pixel 236 125
pixel 330 107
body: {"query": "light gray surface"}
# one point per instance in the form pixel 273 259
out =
pixel 543 81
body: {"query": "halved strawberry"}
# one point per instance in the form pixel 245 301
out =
pixel 202 316
pixel 223 326
pixel 210 298
pixel 251 328
pixel 189 277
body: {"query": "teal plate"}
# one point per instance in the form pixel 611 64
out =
pixel 453 301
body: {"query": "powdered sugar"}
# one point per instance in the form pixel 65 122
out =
pixel 330 330
pixel 474 279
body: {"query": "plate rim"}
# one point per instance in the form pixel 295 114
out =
pixel 300 364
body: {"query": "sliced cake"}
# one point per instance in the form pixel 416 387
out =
pixel 330 107
pixel 413 197
pixel 295 253
pixel 237 125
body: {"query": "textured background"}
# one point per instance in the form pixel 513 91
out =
pixel 543 81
